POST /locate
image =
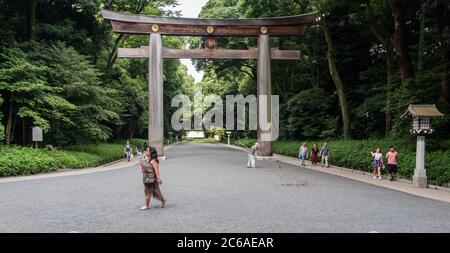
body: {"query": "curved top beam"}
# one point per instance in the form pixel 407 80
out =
pixel 275 21
pixel 141 24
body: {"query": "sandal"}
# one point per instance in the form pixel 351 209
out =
pixel 144 208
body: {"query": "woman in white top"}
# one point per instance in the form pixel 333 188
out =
pixel 303 153
pixel 377 163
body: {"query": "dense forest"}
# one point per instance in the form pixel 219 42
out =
pixel 59 70
pixel 362 64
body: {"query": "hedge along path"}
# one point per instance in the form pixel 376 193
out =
pixel 103 168
pixel 108 167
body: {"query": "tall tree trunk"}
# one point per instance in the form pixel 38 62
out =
pixel 422 36
pixel 23 132
pixel 444 30
pixel 9 123
pixel 337 80
pixel 31 20
pixel 390 70
pixel 399 40
pixel 113 56
pixel 445 91
pixel 386 41
pixel 445 82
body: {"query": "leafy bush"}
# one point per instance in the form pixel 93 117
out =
pixel 17 160
pixel 2 128
pixel 75 160
pixel 105 152
pixel 204 140
pixel 24 161
pixel 309 117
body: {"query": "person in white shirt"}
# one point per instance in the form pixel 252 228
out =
pixel 377 163
pixel 251 156
pixel 303 153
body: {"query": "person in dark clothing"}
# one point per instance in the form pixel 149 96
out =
pixel 314 154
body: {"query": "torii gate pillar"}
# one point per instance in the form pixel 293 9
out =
pixel 156 99
pixel 264 89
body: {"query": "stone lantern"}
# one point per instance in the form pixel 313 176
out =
pixel 421 116
pixel 229 134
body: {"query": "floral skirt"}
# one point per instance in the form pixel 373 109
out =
pixel 376 164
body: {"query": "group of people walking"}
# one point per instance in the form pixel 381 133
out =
pixel 323 153
pixel 149 164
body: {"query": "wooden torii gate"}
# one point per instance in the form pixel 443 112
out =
pixel 155 27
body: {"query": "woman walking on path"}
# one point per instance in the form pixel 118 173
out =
pixel 377 163
pixel 151 177
pixel 303 153
pixel 314 154
pixel 324 152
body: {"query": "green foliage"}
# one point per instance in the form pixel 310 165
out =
pixel 27 86
pixel 217 131
pixel 82 87
pixel 59 90
pixel 2 128
pixel 356 155
pixel 105 152
pixel 202 140
pixel 362 33
pixel 60 81
pixel 24 161
pixel 309 115
pixel 15 160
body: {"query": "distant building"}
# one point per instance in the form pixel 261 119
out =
pixel 195 134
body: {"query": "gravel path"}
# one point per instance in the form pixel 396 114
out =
pixel 209 189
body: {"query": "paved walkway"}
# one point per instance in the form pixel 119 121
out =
pixel 438 193
pixel 210 190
